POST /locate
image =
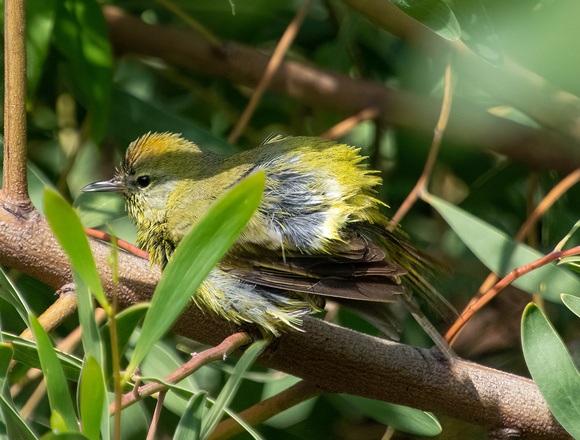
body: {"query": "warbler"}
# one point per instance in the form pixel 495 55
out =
pixel 317 232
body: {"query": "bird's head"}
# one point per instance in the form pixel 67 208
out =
pixel 153 166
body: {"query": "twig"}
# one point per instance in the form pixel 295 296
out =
pixel 14 181
pixel 271 69
pixel 439 130
pixel 348 124
pixel 256 414
pixel 475 304
pixel 156 416
pixel 453 332
pixel 121 243
pixel 228 345
pixel 67 345
pixel 62 308
pixel 555 193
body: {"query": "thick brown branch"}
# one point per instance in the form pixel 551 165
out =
pixel 14 178
pixel 241 64
pixel 331 357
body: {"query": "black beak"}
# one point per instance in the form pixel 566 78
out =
pixel 112 185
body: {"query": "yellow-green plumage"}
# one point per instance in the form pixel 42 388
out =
pixel 318 229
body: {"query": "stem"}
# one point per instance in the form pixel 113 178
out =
pixel 14 180
pixel 458 325
pixel 271 69
pixel 439 130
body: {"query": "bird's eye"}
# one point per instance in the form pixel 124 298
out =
pixel 143 181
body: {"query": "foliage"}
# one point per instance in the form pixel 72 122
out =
pixel 86 101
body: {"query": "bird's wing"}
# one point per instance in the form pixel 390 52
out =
pixel 358 272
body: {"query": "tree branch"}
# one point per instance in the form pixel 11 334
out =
pixel 240 64
pixel 331 357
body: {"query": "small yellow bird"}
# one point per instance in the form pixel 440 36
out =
pixel 317 231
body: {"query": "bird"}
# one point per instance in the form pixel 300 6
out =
pixel 317 233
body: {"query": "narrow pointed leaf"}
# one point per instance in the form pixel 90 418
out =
pixel 572 302
pixel 435 14
pixel 502 255
pixel 194 258
pixel 26 352
pixel 90 333
pixel 92 398
pixel 189 427
pixel 231 387
pixel 552 368
pixel 70 234
pixel 6 353
pixel 9 292
pixel 56 384
pixel 402 418
pixel 16 427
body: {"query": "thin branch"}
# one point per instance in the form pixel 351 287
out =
pixel 475 304
pixel 198 360
pixel 348 124
pixel 156 416
pixel 61 309
pixel 14 180
pixel 191 22
pixel 272 67
pixel 466 315
pixel 553 195
pixel 266 409
pixel 438 132
pixel 121 243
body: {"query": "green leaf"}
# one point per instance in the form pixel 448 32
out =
pixel 194 258
pixel 16 427
pixel 92 398
pixel 57 422
pixel 56 384
pixel 90 335
pixel 402 418
pixel 135 421
pixel 435 14
pixel 81 35
pixel 572 302
pixel 97 209
pixel 231 387
pixel 9 292
pixel 6 353
pixel 69 232
pixel 572 263
pixel 26 351
pixel 40 16
pixel 502 255
pixel 477 30
pixel 37 184
pixel 189 427
pixel 552 368
pixel 64 436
